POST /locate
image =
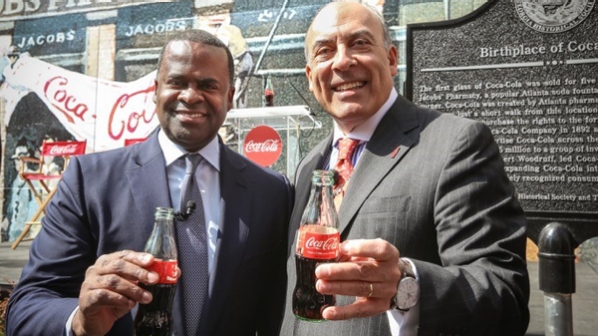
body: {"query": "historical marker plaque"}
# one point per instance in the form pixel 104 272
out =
pixel 529 70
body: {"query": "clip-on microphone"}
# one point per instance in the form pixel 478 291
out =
pixel 180 216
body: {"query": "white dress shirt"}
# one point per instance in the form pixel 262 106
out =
pixel 401 323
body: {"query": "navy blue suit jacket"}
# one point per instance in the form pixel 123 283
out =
pixel 106 202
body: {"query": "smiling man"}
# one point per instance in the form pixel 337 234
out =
pixel 434 239
pixel 85 266
pixel 193 92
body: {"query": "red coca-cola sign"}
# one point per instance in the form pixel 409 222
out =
pixel 166 270
pixel 262 145
pixel 321 246
pixel 64 148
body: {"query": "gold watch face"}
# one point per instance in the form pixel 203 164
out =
pixel 408 293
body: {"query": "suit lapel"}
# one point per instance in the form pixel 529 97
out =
pixel 148 180
pixel 389 143
pixel 235 212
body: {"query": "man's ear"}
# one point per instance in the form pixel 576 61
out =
pixel 393 60
pixel 231 96
pixel 307 73
pixel 155 91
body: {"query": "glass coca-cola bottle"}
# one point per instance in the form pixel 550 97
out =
pixel 155 318
pixel 318 242
pixel 269 93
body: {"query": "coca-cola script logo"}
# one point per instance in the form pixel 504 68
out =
pixel 63 148
pixel 57 92
pixel 166 269
pixel 321 246
pixel 129 111
pixel 262 145
pixel 329 244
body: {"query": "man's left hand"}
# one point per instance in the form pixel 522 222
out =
pixel 369 270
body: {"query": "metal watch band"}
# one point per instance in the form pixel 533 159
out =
pixel 407 268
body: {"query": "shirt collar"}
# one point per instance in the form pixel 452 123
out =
pixel 172 151
pixel 364 131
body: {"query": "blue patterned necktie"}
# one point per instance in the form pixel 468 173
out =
pixel 192 245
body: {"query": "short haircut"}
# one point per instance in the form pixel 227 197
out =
pixel 199 36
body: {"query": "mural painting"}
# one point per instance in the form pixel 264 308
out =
pixel 84 70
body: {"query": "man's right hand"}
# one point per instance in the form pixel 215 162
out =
pixel 110 291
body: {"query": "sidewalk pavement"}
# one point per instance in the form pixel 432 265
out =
pixel 585 300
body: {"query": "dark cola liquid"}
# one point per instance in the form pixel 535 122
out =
pixel 269 95
pixel 308 303
pixel 154 318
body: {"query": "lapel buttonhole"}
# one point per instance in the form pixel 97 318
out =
pixel 394 152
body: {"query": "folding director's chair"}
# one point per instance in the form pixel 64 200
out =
pixel 46 178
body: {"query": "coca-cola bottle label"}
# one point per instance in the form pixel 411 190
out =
pixel 322 246
pixel 166 269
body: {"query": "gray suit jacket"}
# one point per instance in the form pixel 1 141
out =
pixel 434 186
pixel 106 202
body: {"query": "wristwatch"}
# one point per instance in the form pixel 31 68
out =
pixel 408 289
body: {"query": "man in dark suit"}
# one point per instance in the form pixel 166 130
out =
pixel 85 263
pixel 428 205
